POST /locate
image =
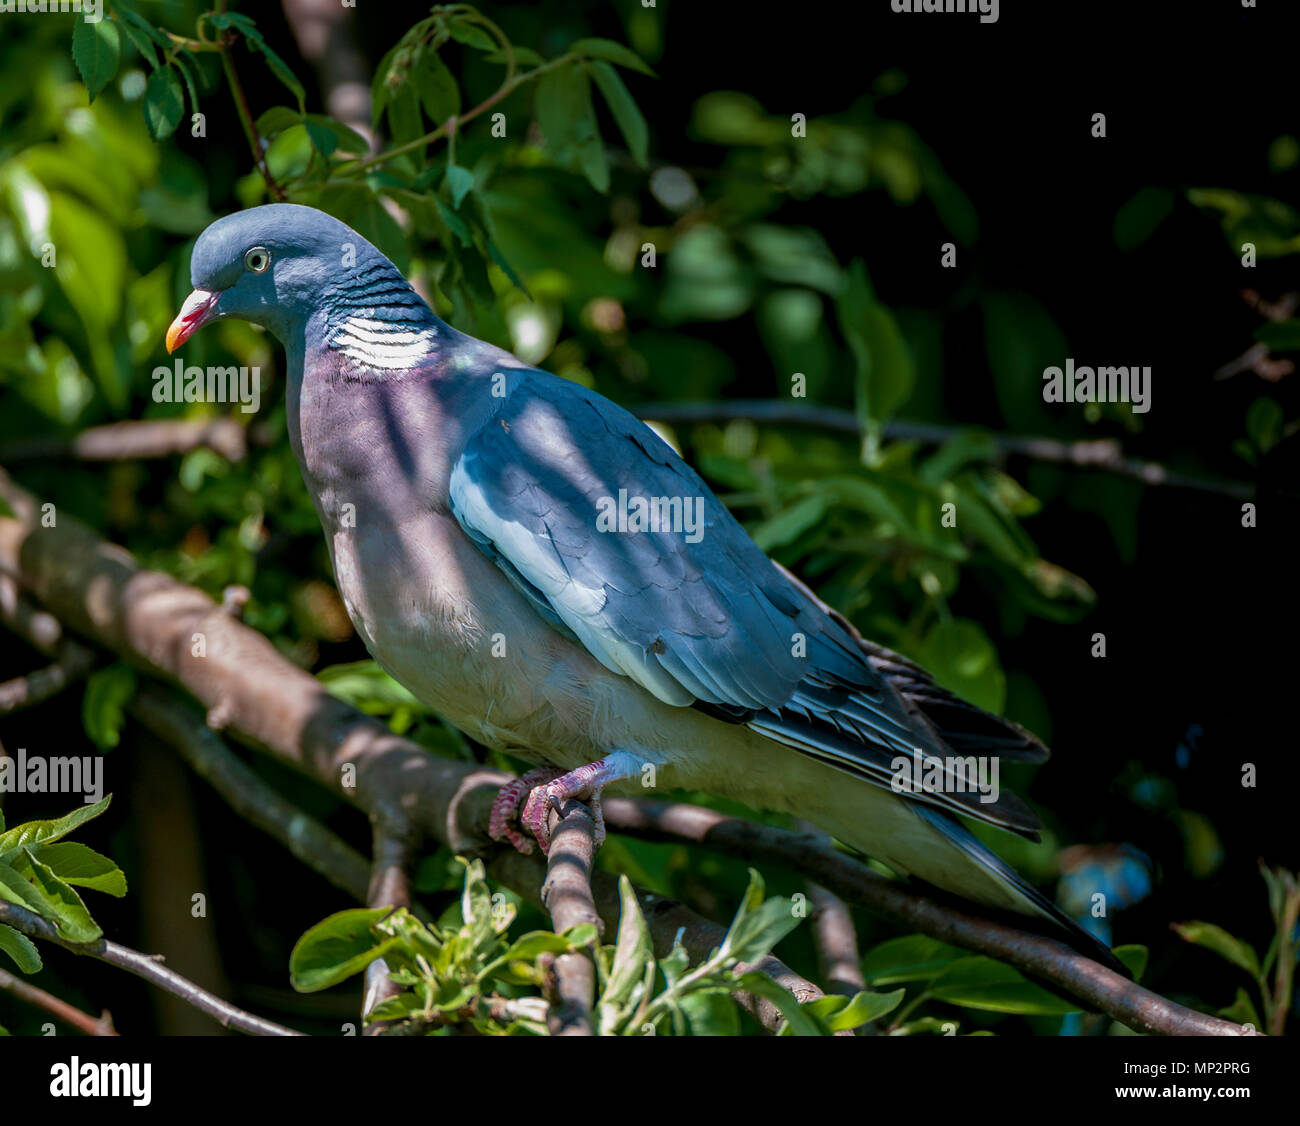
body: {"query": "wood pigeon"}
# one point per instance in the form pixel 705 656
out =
pixel 543 570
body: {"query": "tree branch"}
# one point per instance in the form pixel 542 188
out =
pixel 121 441
pixel 390 886
pixel 566 894
pixel 148 967
pixel 1100 453
pixel 101 1025
pixel 814 854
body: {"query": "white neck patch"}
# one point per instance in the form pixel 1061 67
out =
pixel 382 344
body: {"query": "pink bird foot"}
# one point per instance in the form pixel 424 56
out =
pixel 506 805
pixel 549 789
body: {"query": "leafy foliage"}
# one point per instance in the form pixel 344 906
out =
pixel 464 969
pixel 40 873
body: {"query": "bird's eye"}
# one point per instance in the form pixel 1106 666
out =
pixel 257 259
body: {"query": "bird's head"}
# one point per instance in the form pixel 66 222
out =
pixel 269 265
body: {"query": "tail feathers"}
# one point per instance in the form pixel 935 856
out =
pixel 989 879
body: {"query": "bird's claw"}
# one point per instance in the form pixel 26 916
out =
pixel 545 788
pixel 505 807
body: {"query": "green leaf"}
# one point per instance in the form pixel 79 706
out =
pixel 404 121
pixel 626 113
pixel 1134 958
pixel 471 35
pixel 524 56
pixel 632 952
pixel 1225 945
pixel 141 33
pixel 476 906
pixel 912 957
pixel 985 983
pixel 188 69
pixel 529 947
pixel 276 120
pixel 865 1007
pixel 1137 220
pixel 436 87
pixel 459 181
pixel 758 926
pixel 1280 336
pixel 20 948
pixel 885 370
pixel 568 122
pixel 454 222
pixel 1264 421
pixel 96 49
pixel 790 524
pixel 711 1012
pixel 281 70
pixel 164 103
pixel 1242 1010
pixel 380 91
pixel 798 1022
pixel 401 1007
pixel 41 832
pixel 78 864
pixel 581 935
pixel 870 498
pixel 336 948
pixel 611 52
pixel 103 707
pixel 256 42
pixel 59 903
pixel 960 656
pixel 366 686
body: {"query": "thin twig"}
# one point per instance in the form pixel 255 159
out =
pixel 177 724
pixel 390 886
pixel 138 439
pixel 1101 453
pixel 148 967
pixel 43 684
pixel 245 114
pixel 101 1025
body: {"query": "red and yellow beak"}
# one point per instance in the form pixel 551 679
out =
pixel 194 314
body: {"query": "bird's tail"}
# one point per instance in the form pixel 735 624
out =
pixel 930 844
pixel 970 869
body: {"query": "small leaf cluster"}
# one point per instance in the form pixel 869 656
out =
pixel 40 872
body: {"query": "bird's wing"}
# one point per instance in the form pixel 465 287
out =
pixel 696 614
